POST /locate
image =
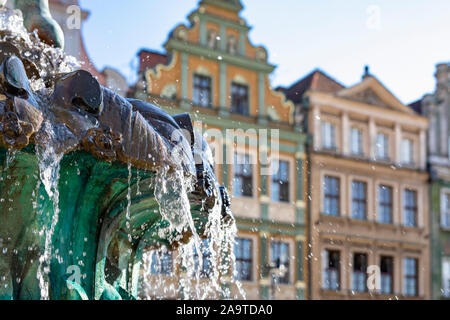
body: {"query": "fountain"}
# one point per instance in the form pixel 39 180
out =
pixel 90 179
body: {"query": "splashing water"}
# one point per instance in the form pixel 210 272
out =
pixel 13 21
pixel 208 279
pixel 171 192
pixel 10 157
pixel 230 233
pixel 205 265
pixel 128 213
pixel 49 60
pixel 49 164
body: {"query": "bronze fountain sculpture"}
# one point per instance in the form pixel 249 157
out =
pixel 87 176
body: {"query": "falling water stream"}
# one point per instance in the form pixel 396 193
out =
pixel 49 165
pixel 128 213
pixel 171 192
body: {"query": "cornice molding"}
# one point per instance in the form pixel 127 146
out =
pixel 345 104
pixel 208 17
pixel 234 5
pixel 236 60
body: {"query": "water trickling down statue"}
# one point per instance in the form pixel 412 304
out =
pixel 88 178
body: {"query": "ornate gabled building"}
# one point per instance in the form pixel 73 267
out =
pixel 212 70
pixel 436 107
pixel 368 220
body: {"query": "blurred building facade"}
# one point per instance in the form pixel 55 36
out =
pixel 436 107
pixel 369 193
pixel 212 70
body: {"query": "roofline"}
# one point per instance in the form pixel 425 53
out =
pixel 224 5
pixel 373 77
pixel 311 73
pixel 413 114
pixel 151 51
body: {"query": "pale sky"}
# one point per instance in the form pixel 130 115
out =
pixel 402 47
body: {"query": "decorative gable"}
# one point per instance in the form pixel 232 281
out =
pixel 216 45
pixel 371 91
pixel 369 96
pixel 233 5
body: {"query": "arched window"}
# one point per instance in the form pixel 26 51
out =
pixel 261 54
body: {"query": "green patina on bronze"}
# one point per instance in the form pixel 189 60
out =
pixel 93 198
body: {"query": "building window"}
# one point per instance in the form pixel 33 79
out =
pixel 382 147
pixel 212 39
pixel 407 151
pixel 243 251
pixel 331 196
pixel 410 208
pixel 446 277
pixel 385 204
pixel 387 275
pixel 202 91
pixel 239 99
pixel 161 262
pixel 359 272
pixel 359 200
pixel 231 45
pixel 410 277
pixel 279 188
pixel 445 218
pixel 243 176
pixel 328 136
pixel 331 270
pixel 205 269
pixel 279 257
pixel 448 147
pixel 356 143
